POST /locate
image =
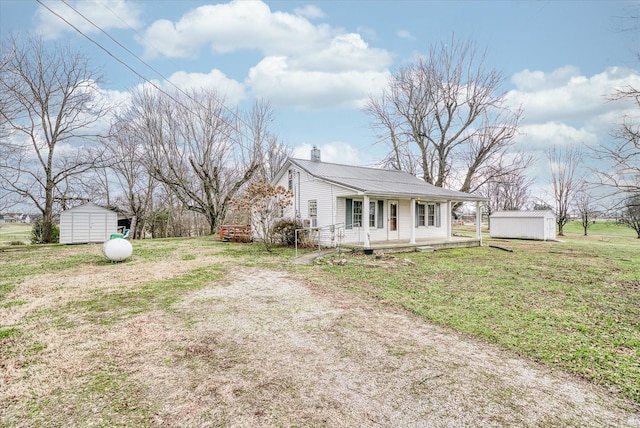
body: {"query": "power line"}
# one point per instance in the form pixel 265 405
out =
pixel 146 64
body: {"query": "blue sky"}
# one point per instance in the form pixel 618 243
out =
pixel 319 61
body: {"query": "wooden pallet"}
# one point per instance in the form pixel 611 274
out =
pixel 235 233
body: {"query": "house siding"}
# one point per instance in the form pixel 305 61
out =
pixel 289 212
pixel 326 196
pixel 310 188
pixel 330 205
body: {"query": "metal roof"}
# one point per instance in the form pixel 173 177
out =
pixel 523 214
pixel 379 182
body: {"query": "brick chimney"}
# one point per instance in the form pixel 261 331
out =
pixel 315 154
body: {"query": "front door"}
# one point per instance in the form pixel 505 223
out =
pixel 392 230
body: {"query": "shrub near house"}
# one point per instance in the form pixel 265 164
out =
pixel 266 203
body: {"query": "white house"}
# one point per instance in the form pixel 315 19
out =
pixel 523 225
pixel 87 223
pixel 361 205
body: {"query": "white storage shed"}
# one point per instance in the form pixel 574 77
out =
pixel 87 223
pixel 523 225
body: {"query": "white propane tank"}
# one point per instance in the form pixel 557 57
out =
pixel 117 249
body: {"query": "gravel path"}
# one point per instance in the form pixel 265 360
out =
pixel 298 355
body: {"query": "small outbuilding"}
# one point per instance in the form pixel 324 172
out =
pixel 87 223
pixel 523 225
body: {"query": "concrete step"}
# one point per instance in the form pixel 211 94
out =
pixel 425 249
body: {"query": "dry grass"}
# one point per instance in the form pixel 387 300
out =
pixel 191 338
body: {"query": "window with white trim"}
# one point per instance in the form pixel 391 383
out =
pixel 357 213
pixel 313 212
pixel 427 215
pixel 372 213
pixel 420 214
pixel 431 215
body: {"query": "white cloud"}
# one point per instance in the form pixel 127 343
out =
pixel 303 65
pixel 106 15
pixel 345 52
pixel 404 34
pixel 530 81
pixel 232 90
pixel 234 26
pixel 565 95
pixel 310 11
pixel 335 152
pixel 273 79
pixel 543 136
pixel 118 101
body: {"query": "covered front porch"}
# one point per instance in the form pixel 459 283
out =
pixel 423 245
pixel 409 228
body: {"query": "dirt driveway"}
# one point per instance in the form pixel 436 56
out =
pixel 291 354
pixel 263 349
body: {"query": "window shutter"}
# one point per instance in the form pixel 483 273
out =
pixel 438 215
pixel 349 214
pixel 415 221
pixel 380 211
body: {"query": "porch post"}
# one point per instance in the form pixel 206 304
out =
pixel 412 222
pixel 365 221
pixel 448 222
pixel 478 222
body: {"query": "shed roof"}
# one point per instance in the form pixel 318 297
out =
pixel 88 206
pixel 522 214
pixel 379 182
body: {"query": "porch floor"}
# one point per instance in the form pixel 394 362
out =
pixel 403 246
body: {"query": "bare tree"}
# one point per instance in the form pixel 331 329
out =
pixel 197 148
pixel 53 102
pixel 8 112
pixel 507 192
pixel 388 126
pixel 445 118
pixel 585 205
pixel 565 180
pixel 623 156
pixel 631 212
pixel 7 107
pixel 135 186
pixel 540 204
pixel 274 154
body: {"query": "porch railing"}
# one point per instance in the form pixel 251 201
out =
pixel 332 236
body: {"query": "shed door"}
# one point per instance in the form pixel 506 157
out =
pixel 98 227
pixel 551 229
pixel 392 231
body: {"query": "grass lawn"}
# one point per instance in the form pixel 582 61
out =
pixel 600 228
pixel 14 233
pixel 573 305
